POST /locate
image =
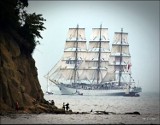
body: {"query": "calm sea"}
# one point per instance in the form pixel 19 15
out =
pixel 147 103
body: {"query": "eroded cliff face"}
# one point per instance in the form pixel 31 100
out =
pixel 18 75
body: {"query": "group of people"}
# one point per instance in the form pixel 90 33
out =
pixel 65 107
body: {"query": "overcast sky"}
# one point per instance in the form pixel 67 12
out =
pixel 139 18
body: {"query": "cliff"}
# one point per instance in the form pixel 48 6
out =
pixel 18 74
pixel 20 91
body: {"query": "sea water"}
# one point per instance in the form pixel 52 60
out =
pixel 147 103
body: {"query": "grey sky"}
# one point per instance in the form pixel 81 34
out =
pixel 139 18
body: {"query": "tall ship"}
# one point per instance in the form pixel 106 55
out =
pixel 92 68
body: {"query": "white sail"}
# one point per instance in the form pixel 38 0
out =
pixel 105 56
pixel 72 34
pixel 110 76
pixel 98 49
pixel 116 49
pixel 95 44
pixel 116 60
pixel 91 64
pixel 125 78
pixel 92 75
pixel 82 75
pixel 70 55
pixel 93 68
pixel 121 36
pixel 96 34
pixel 82 65
pixel 120 56
pixel 72 44
pixel 81 55
pixel 92 55
pixel 104 64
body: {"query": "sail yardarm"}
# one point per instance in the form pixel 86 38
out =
pixel 72 34
pixel 96 34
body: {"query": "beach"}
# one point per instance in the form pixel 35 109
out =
pixel 79 119
pixel 147 105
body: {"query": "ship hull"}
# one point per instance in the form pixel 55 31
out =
pixel 110 92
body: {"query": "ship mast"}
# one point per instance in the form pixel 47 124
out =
pixel 120 70
pixel 75 68
pixel 99 56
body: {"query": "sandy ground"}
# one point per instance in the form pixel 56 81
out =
pixel 79 119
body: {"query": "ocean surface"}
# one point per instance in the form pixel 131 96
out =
pixel 147 105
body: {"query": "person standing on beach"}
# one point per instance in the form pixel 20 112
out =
pixel 52 102
pixel 67 106
pixel 63 106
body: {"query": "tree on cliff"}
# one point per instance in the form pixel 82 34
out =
pixel 14 17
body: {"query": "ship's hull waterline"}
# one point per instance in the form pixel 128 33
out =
pixel 85 92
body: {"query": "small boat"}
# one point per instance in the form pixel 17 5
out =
pixel 49 93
